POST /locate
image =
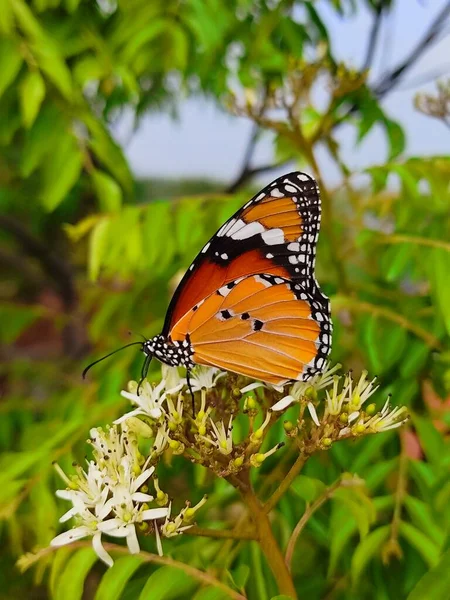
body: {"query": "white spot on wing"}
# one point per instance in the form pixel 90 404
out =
pixel 273 236
pixel 275 193
pixel 291 188
pixel 293 247
pixel 247 231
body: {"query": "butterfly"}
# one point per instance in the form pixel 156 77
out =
pixel 250 303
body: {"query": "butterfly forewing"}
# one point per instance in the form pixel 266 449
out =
pixel 275 233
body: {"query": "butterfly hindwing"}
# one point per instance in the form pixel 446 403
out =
pixel 262 326
pixel 274 233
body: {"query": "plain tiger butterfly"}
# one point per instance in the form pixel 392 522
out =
pixel 250 303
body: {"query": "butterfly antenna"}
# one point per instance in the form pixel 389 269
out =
pixel 108 355
pixel 188 381
pixel 139 334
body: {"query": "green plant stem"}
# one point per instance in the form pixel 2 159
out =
pixel 310 510
pixel 286 483
pixel 400 493
pixel 268 543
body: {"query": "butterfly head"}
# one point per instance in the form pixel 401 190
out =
pixel 174 354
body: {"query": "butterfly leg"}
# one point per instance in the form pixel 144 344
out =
pixel 188 380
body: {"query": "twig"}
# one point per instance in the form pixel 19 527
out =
pixel 373 38
pixel 391 79
pixel 146 557
pixel 286 483
pixel 310 510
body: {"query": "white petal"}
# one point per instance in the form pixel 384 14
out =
pixel 155 413
pixel 113 527
pixel 143 477
pixel 100 551
pixel 344 431
pixel 133 413
pixel 65 494
pixel 129 396
pixel 71 536
pixel 68 515
pixel 132 540
pixel 251 386
pixel 283 403
pixel 313 413
pixel 140 497
pixel 154 513
pixel 352 416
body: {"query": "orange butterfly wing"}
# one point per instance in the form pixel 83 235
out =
pixel 261 326
pixel 274 233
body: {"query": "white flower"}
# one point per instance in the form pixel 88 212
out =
pixel 386 419
pixel 299 389
pixel 174 527
pixel 224 439
pixel 171 376
pixel 106 499
pixel 335 399
pixel 205 377
pixel 149 400
pixel 359 395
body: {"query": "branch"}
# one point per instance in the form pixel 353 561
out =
pixel 28 559
pixel 373 38
pixel 391 79
pixel 310 510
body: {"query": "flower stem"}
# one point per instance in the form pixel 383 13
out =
pixel 310 510
pixel 286 483
pixel 268 543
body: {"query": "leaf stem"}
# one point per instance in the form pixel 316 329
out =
pixel 310 510
pixel 286 483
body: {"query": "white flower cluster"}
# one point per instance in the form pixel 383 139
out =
pixel 344 399
pixel 107 496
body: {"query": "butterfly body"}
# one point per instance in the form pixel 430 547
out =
pixel 250 303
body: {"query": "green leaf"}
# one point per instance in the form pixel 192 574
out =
pixel 31 93
pixel 369 547
pixel 41 139
pixel 107 190
pixel 360 506
pixel 70 584
pixel 6 18
pixel 258 578
pixel 60 174
pixel 168 583
pixel 422 517
pixel 385 342
pixel 11 61
pixel 240 576
pixel 210 593
pixel 430 438
pixel 116 578
pixel 435 584
pixel 307 488
pixel 421 542
pixel 97 247
pixel 438 268
pixel 60 559
pixel 396 137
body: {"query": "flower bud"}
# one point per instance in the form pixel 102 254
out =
pixel 371 409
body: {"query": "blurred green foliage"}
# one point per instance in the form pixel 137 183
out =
pixel 90 254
